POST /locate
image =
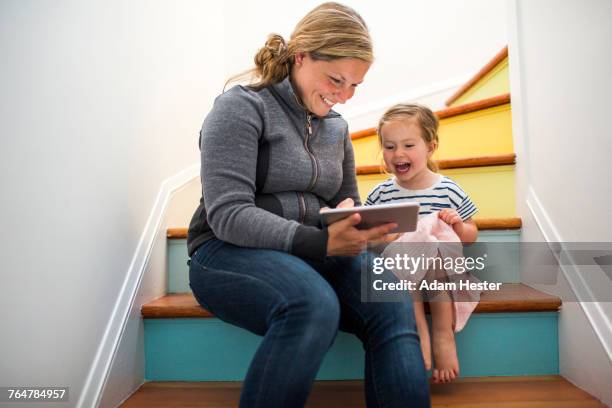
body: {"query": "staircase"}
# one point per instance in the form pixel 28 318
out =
pixel 508 351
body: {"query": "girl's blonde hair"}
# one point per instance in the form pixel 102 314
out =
pixel 422 115
pixel 328 32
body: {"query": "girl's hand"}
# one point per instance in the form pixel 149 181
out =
pixel 467 231
pixel 450 216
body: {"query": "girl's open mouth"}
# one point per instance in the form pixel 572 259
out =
pixel 402 167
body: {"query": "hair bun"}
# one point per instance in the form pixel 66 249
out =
pixel 276 45
pixel 271 61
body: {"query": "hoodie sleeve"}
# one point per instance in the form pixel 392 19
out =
pixel 349 178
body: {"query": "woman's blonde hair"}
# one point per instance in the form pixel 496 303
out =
pixel 422 115
pixel 328 32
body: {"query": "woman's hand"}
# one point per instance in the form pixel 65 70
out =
pixel 346 240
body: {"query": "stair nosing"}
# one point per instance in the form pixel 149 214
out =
pixel 483 224
pixel 185 305
pixel 454 163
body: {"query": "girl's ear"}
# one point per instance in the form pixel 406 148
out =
pixel 431 148
pixel 299 57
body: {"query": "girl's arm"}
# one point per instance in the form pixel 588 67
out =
pixel 466 230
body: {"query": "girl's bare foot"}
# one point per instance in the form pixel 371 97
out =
pixel 445 356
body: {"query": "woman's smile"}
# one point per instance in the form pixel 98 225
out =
pixel 321 84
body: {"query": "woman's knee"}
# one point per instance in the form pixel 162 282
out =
pixel 319 309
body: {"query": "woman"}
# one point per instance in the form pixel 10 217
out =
pixel 273 154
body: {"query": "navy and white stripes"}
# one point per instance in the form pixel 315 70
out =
pixel 445 193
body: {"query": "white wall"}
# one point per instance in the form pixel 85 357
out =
pixel 420 47
pixel 560 68
pixel 101 102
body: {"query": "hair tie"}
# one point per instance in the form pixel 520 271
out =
pixel 278 50
pixel 276 45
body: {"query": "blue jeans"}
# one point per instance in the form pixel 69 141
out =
pixel 298 307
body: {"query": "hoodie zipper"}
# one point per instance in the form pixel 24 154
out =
pixel 315 166
pixel 315 177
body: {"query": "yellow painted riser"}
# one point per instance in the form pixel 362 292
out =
pixel 491 188
pixel 367 151
pixel 483 133
pixel 496 82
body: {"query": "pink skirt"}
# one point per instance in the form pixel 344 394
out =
pixel 433 239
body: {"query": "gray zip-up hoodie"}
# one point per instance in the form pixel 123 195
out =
pixel 268 166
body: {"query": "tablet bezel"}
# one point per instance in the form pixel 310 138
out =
pixel 405 215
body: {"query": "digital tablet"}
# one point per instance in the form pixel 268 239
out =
pixel 405 215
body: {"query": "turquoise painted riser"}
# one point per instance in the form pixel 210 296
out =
pixel 504 344
pixel 178 271
pixel 502 265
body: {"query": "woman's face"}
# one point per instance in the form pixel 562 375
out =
pixel 322 84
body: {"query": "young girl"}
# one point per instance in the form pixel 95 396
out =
pixel 408 136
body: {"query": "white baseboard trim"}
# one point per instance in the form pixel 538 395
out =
pixel 98 374
pixel 592 310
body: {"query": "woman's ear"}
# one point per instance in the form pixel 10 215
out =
pixel 299 57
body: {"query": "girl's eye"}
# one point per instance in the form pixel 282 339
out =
pixel 389 147
pixel 408 145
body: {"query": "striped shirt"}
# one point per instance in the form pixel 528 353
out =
pixel 445 193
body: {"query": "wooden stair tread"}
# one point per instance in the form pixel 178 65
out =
pixel 474 106
pixel 499 57
pixel 456 163
pixel 506 392
pixel 451 112
pixel 485 224
pixel 482 223
pixel 512 297
pixel 174 305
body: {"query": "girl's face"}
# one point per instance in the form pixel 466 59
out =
pixel 405 153
pixel 322 84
